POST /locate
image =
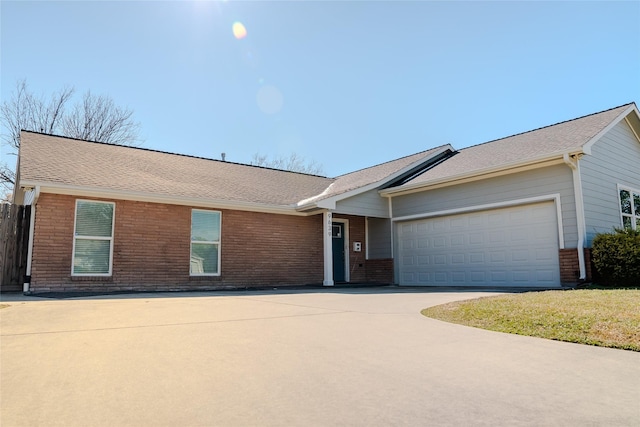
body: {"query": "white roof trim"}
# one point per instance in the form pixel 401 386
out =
pixel 153 198
pixel 330 202
pixel 586 147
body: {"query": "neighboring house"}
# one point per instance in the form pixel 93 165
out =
pixel 518 211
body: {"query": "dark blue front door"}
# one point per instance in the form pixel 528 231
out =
pixel 337 235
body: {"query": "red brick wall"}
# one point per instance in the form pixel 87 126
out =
pixel 570 268
pixel 152 245
pixel 380 270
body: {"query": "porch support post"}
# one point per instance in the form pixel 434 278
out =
pixel 328 248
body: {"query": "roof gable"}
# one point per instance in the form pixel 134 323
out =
pixel 541 144
pixel 377 176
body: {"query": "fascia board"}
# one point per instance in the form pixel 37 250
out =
pixel 480 174
pixel 330 202
pixel 586 147
pixel 71 190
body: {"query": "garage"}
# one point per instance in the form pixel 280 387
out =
pixel 512 246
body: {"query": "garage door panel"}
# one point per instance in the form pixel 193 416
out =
pixel 515 246
pixel 457 240
pixel 458 259
pixel 476 238
pixel 546 255
pixel 477 277
pixel 422 229
pixel 458 276
pixel 440 225
pixel 545 276
pixel 408 261
pixel 497 236
pixel 519 256
pixel 476 258
pixel 439 242
pixel 497 257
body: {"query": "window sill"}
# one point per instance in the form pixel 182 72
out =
pixel 205 278
pixel 92 278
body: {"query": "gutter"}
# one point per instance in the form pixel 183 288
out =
pixel 477 174
pixel 573 162
pixel 32 225
pixel 137 196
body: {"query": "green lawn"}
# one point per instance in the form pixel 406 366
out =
pixel 607 318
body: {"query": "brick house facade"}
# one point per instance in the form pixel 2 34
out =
pixel 517 211
pixel 257 249
pixel 151 248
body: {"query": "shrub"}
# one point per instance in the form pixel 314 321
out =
pixel 616 257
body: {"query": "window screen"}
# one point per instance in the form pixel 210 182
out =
pixel 93 238
pixel 205 243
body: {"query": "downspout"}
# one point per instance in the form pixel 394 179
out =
pixel 391 223
pixel 32 226
pixel 573 163
pixel 393 256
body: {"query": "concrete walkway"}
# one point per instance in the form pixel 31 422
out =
pixel 351 357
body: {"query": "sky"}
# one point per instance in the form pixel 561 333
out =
pixel 348 84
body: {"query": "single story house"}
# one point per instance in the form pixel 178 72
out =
pixel 517 211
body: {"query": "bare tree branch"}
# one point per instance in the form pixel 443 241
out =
pixel 95 118
pixel 26 111
pixel 294 163
pixel 7 174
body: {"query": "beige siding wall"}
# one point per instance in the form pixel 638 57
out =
pixel 555 179
pixel 614 159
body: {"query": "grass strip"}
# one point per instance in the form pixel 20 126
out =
pixel 606 318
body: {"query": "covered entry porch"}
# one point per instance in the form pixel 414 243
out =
pixel 346 251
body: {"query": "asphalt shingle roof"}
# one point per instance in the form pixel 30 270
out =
pixel 55 160
pixel 568 136
pixel 58 160
pixel 361 178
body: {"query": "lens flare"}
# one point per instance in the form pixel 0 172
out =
pixel 239 30
pixel 269 99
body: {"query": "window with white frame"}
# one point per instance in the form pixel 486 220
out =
pixel 630 208
pixel 205 243
pixel 93 238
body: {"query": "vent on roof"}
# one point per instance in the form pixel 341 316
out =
pixel 224 156
pixel 412 174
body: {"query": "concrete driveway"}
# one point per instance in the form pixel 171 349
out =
pixel 358 357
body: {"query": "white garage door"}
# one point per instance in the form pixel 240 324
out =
pixel 515 246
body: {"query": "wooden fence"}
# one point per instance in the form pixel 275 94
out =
pixel 14 244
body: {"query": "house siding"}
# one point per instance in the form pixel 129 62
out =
pixel 614 160
pixel 152 248
pixel 555 179
pixel 365 204
pixel 379 238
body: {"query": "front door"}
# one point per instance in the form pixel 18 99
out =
pixel 337 234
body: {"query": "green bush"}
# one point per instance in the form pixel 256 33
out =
pixel 616 257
